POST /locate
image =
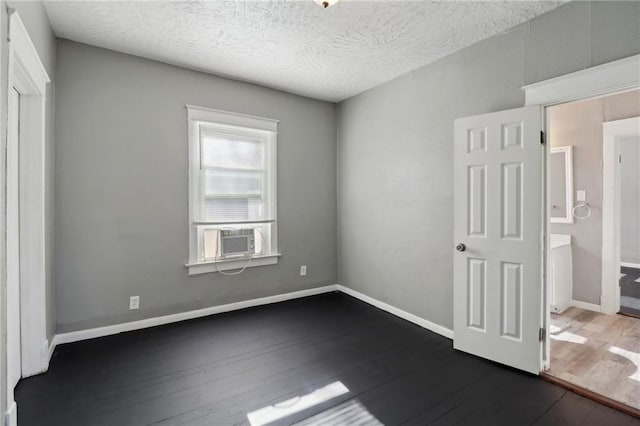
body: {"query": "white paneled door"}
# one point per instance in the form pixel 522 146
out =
pixel 498 237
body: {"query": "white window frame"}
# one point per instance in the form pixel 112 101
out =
pixel 237 123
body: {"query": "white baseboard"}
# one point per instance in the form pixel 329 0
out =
pixel 436 328
pixel 55 341
pixel 586 305
pixel 75 336
pixel 11 416
pixel 92 333
pixel 630 265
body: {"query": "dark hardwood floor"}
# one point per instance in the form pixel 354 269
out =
pixel 217 370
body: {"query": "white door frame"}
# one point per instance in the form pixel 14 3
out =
pixel 611 210
pixel 602 80
pixel 12 250
pixel 28 77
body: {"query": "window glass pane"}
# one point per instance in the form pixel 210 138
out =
pixel 227 209
pixel 234 209
pixel 231 152
pixel 233 183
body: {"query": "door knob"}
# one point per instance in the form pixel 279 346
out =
pixel 461 247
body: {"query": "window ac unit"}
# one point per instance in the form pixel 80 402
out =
pixel 236 242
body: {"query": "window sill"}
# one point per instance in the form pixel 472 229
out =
pixel 197 268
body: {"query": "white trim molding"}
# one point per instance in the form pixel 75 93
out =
pixel 630 265
pixel 27 75
pixel 11 416
pixel 264 130
pixel 567 151
pixel 76 336
pixel 585 305
pixel 25 56
pixel 611 209
pixel 197 268
pixel 616 76
pixel 52 347
pixel 236 119
pixel 431 326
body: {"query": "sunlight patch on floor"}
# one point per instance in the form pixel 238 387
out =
pixel 291 406
pixel 348 413
pixel 565 336
pixel 631 356
pixel 599 353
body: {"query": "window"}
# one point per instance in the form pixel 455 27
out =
pixel 232 186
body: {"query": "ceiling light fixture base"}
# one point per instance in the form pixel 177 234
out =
pixel 325 3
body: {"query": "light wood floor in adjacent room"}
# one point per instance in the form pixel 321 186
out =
pixel 597 352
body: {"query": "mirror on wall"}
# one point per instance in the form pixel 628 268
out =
pixel 561 184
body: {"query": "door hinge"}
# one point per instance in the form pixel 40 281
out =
pixel 541 334
pixel 620 158
pixel 542 137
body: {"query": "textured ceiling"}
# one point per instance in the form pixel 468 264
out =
pixel 295 46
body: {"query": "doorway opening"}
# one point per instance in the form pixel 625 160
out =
pixel 593 265
pixel 511 266
pixel 621 217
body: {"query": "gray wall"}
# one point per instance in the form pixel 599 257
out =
pixel 580 124
pixel 630 199
pixel 121 188
pixel 395 147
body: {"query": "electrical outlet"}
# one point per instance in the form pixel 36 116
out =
pixel 134 302
pixel 303 271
